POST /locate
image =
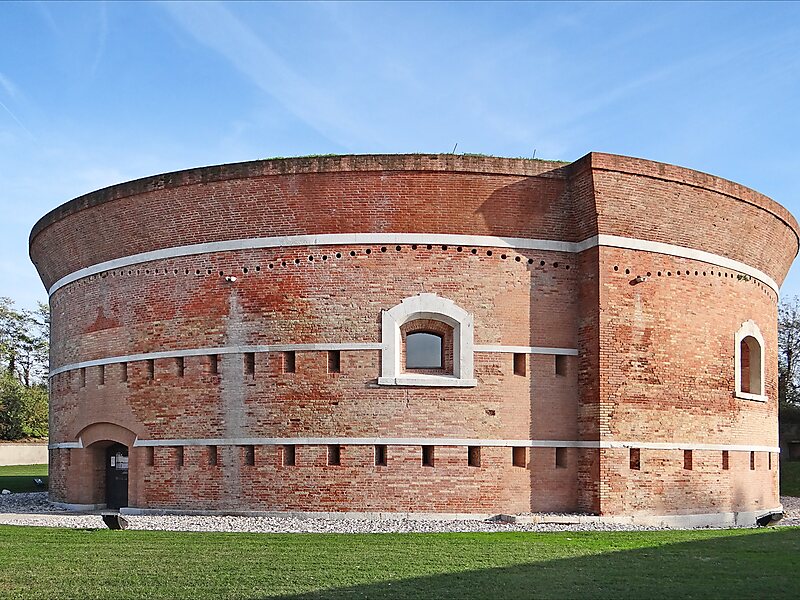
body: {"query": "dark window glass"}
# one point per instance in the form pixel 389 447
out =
pixel 423 351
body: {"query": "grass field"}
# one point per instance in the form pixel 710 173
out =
pixel 726 564
pixel 19 478
pixel 61 563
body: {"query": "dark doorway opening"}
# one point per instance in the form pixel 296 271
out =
pixel 117 476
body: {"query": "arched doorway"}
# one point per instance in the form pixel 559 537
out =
pixel 102 476
pixel 116 476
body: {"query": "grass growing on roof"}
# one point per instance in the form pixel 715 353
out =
pixel 46 563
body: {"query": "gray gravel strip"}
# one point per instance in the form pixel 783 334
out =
pixel 34 509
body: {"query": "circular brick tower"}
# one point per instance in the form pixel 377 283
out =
pixel 418 334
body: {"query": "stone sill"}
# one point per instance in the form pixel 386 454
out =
pixel 754 397
pixel 428 381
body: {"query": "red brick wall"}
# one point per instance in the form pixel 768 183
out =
pixel 663 203
pixel 668 376
pixel 315 305
pixel 655 359
pixel 339 200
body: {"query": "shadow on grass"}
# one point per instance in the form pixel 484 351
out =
pixel 20 478
pixel 748 565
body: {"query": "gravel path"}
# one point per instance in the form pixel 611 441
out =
pixel 34 509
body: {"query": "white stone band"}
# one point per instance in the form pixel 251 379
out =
pixel 357 346
pixel 370 441
pixel 527 350
pixel 344 239
pixel 616 241
pixel 65 445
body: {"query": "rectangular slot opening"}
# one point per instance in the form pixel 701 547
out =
pixel 474 456
pixel 334 361
pixel 101 375
pixel 250 456
pixel 123 372
pixel 561 458
pixel 289 362
pixel 149 456
pixel 83 377
pixel 180 366
pixel 380 455
pixel 687 460
pixel 635 459
pixel 289 455
pixel 427 456
pixel 250 364
pixel 769 460
pixel 519 456
pixel 151 369
pixel 334 455
pixel 179 456
pixel 752 461
pixel 212 456
pixel 213 364
pixel 725 461
pixel 519 364
pixel 561 365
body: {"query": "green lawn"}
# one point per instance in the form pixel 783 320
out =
pixel 725 564
pixel 61 563
pixel 19 478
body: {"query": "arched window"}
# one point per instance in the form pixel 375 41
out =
pixel 426 346
pixel 750 359
pixel 749 362
pixel 426 340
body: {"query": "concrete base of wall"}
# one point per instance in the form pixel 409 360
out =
pixel 333 516
pixel 23 454
pixel 78 507
pixel 727 519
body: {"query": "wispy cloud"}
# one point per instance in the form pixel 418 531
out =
pixel 13 92
pixel 215 26
pixel 8 86
pixel 101 37
pixel 47 16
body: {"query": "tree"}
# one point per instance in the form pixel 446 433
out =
pixel 23 410
pixel 24 346
pixel 789 360
pixel 24 342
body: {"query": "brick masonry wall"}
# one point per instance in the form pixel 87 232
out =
pixel 638 203
pixel 667 375
pixel 313 302
pixel 654 364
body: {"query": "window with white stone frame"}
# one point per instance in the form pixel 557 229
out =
pixel 427 340
pixel 749 363
pixel 426 346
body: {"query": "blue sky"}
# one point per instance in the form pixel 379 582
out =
pixel 93 94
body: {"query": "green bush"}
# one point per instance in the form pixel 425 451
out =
pixel 23 410
pixel 789 412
